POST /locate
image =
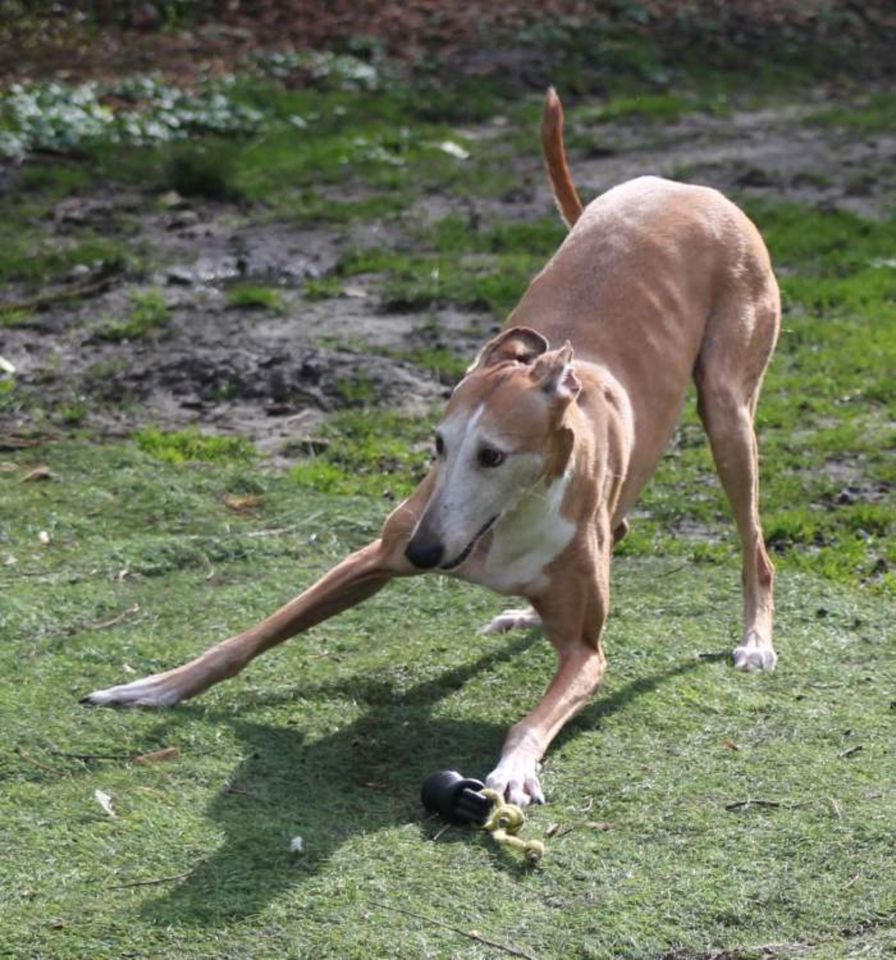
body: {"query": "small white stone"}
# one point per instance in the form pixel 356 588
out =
pixel 297 845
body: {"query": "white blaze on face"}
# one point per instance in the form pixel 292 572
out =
pixel 468 495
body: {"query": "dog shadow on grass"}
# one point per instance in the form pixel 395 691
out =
pixel 361 779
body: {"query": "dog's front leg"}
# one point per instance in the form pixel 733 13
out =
pixel 356 578
pixel 573 615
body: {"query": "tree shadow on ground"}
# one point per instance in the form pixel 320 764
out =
pixel 360 779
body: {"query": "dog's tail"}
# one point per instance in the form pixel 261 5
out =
pixel 568 202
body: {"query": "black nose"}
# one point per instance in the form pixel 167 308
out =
pixel 424 554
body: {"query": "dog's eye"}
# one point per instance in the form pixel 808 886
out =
pixel 440 446
pixel 489 457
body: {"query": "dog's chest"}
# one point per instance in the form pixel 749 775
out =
pixel 523 542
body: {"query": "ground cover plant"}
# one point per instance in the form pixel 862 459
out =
pixel 226 354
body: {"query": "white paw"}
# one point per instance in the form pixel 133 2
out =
pixel 523 619
pixel 754 653
pixel 148 692
pixel 517 781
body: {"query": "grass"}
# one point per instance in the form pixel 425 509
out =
pixel 875 114
pixel 28 258
pixel 329 738
pixel 148 315
pixel 248 297
pixel 191 446
pixel 380 455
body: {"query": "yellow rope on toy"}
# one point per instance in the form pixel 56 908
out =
pixel 505 822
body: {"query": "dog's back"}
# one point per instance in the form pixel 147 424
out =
pixel 651 273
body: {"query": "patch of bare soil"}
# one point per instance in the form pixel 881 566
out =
pixel 275 375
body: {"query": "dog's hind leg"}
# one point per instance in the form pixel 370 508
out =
pixel 356 578
pixel 729 375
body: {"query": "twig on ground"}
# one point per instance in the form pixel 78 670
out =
pixel 91 756
pixel 41 766
pixel 469 934
pixel 105 624
pixel 11 441
pixel 92 285
pixel 444 829
pixel 563 832
pixel 148 883
pixel 758 802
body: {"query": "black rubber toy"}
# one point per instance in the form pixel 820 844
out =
pixel 455 798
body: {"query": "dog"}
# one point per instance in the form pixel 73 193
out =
pixel 553 432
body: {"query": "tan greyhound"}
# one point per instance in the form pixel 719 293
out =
pixel 548 440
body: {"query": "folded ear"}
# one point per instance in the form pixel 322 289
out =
pixel 517 343
pixel 553 372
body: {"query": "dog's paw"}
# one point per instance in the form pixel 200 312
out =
pixel 517 781
pixel 148 692
pixel 523 619
pixel 754 653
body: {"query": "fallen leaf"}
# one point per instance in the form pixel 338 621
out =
pixel 157 756
pixel 730 744
pixel 7 466
pixel 105 801
pixel 552 829
pixel 599 825
pixel 43 472
pixel 246 502
pixel 172 200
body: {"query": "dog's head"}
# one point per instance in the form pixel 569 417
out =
pixel 502 433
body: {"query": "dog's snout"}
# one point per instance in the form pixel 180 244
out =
pixel 424 553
